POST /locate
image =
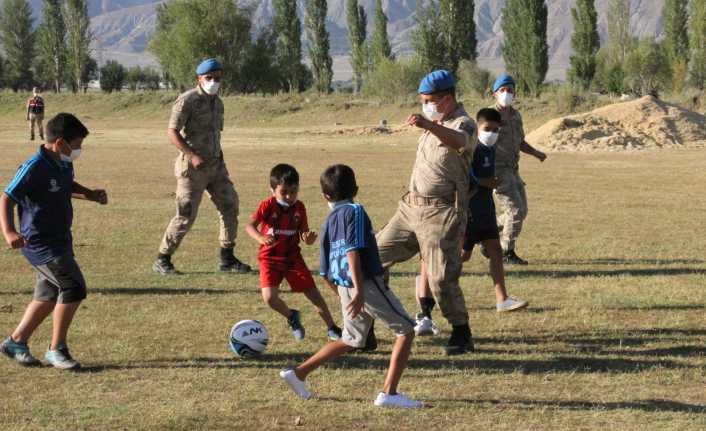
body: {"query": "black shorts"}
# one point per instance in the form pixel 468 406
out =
pixel 474 237
pixel 60 280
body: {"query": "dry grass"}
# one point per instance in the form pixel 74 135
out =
pixel 614 339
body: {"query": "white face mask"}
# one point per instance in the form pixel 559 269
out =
pixel 331 205
pixel 75 154
pixel 431 112
pixel 505 99
pixel 284 203
pixel 210 87
pixel 487 138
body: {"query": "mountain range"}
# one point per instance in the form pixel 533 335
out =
pixel 123 28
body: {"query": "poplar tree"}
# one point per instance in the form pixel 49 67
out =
pixel 357 22
pixel 317 35
pixel 525 49
pixel 18 43
pixel 585 43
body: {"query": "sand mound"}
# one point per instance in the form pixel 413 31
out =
pixel 635 125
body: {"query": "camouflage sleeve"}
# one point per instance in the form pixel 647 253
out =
pixel 180 114
pixel 467 125
pixel 520 125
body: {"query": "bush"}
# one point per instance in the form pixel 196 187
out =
pixel 112 76
pixel 647 69
pixel 394 80
pixel 474 80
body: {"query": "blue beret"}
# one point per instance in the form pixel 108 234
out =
pixel 208 66
pixel 438 80
pixel 502 81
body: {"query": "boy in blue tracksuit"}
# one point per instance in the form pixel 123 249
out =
pixel 42 190
pixel 482 225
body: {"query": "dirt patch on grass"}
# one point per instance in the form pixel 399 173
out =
pixel 639 124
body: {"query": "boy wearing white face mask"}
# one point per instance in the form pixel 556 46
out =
pixel 511 189
pixel 42 190
pixel 195 128
pixel 278 225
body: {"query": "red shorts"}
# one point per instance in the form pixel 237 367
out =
pixel 295 272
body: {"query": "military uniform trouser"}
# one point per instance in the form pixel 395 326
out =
pixel 35 119
pixel 191 184
pixel 511 196
pixel 435 233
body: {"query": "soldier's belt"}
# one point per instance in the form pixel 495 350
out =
pixel 416 200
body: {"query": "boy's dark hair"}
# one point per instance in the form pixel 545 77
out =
pixel 488 114
pixel 283 174
pixel 338 183
pixel 442 93
pixel 64 125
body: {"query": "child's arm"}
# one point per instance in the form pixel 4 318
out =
pixel 488 183
pixel 308 236
pixel 7 222
pixel 251 229
pixel 80 192
pixel 358 299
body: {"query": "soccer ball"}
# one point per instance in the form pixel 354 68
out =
pixel 248 338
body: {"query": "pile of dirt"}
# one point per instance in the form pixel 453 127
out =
pixel 639 124
pixel 365 131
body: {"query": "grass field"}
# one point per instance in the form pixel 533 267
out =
pixel 615 336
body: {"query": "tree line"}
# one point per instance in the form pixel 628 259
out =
pixel 272 59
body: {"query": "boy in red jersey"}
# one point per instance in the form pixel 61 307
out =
pixel 278 225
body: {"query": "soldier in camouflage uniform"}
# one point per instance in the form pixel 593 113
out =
pixel 431 217
pixel 195 130
pixel 510 192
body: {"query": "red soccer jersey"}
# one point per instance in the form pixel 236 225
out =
pixel 285 225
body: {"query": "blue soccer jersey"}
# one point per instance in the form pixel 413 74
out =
pixel 348 228
pixel 42 189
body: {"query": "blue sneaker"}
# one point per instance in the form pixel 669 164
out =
pixel 61 358
pixel 296 324
pixel 19 352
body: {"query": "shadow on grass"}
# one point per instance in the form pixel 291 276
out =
pixel 560 273
pixel 168 291
pixel 616 261
pixel 642 405
pixel 572 364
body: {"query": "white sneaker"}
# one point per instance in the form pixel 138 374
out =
pixel 511 304
pixel 401 401
pixel 298 386
pixel 425 326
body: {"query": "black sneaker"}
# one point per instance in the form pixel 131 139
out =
pixel 460 341
pixel 163 265
pixel 511 258
pixel 295 322
pixel 371 343
pixel 230 263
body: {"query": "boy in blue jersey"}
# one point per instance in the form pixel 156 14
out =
pixel 350 264
pixel 42 190
pixel 481 227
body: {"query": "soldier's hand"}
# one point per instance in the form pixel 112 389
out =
pixel 418 120
pixel 540 155
pixel 196 161
pixel 266 239
pixel 100 196
pixel 309 237
pixel 15 240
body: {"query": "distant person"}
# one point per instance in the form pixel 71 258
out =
pixel 431 216
pixel 42 190
pixel 35 113
pixel 481 227
pixel 350 264
pixel 195 130
pixel 278 225
pixel 510 191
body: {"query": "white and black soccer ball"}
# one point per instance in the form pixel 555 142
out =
pixel 248 338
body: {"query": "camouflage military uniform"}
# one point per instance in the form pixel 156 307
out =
pixel 199 118
pixel 510 192
pixel 431 218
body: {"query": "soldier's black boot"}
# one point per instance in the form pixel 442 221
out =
pixel 230 263
pixel 163 265
pixel 511 258
pixel 460 341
